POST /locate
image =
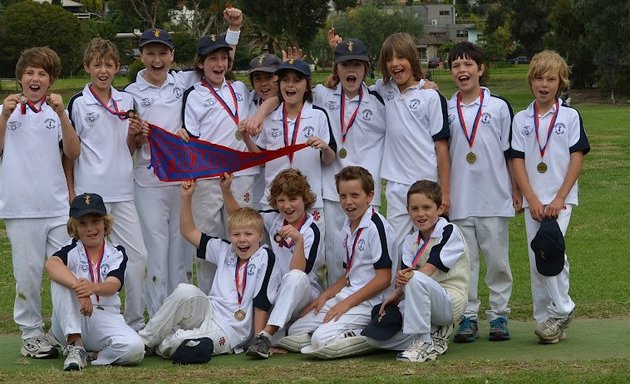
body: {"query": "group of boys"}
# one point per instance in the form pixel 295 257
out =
pixel 272 292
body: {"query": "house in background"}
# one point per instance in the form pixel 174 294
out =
pixel 73 7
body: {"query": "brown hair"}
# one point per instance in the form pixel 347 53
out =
pixel 356 173
pixel 335 75
pixel 246 217
pixel 74 222
pixel 200 59
pixel 402 45
pixel 100 49
pixel 293 183
pixel 549 61
pixel 429 188
pixel 39 57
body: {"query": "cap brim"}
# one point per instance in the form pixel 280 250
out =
pixel 280 70
pixel 345 58
pixel 214 48
pixel 144 43
pixel 87 211
pixel 262 69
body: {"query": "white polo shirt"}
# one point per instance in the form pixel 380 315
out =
pixel 113 263
pixel 205 117
pixel 313 122
pixel 105 164
pixel 364 140
pixel 415 120
pixel 568 136
pixel 373 244
pixel 160 106
pixel 483 188
pixel 312 242
pixel 32 182
pixel 261 283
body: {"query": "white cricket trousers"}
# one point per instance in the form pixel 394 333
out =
pixel 211 216
pixel 550 293
pixel 491 236
pixel 294 294
pixel 32 242
pixel 185 314
pixel 170 255
pixel 104 332
pixel 397 215
pixel 127 232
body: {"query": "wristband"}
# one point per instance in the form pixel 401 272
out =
pixel 231 37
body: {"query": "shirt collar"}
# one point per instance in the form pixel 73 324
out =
pixel 143 84
pixel 116 95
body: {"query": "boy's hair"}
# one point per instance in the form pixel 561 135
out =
pixel 403 45
pixel 199 59
pixel 335 74
pixel 39 57
pixel 74 222
pixel 466 50
pixel 429 188
pixel 246 217
pixel 356 173
pixel 293 183
pixel 100 49
pixel 308 95
pixel 549 61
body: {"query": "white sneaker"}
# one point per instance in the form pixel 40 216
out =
pixel 76 358
pixel 39 347
pixel 419 352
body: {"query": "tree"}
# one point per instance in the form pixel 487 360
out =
pixel 56 28
pixel 152 12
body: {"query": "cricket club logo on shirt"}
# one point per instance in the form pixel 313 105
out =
pixel 91 118
pixel 361 245
pixel 316 215
pixel 230 261
pixel 104 270
pixel 251 269
pixel 178 92
pixel 209 102
pixel 308 131
pixel 389 95
pixel 239 97
pixel 146 101
pixel 367 114
pixel 13 125
pixel 559 129
pixel 50 123
pixel 414 104
pixel 275 132
pixel 528 130
pixel 84 266
pixel 485 118
pixel 332 105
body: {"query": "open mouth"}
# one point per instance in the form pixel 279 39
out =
pixel 351 80
pixel 243 248
pixel 463 78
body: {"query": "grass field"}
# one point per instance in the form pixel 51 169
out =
pixel 596 350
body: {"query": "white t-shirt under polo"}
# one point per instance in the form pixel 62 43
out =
pixel 568 136
pixel 483 188
pixel 105 164
pixel 160 106
pixel 32 182
pixel 415 119
pixel 206 118
pixel 364 140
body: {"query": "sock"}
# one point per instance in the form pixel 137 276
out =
pixel 266 334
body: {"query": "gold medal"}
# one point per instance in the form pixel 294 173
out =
pixel 409 274
pixel 239 135
pixel 347 279
pixel 471 157
pixel 343 153
pixel 131 114
pixel 278 238
pixel 541 167
pixel 239 315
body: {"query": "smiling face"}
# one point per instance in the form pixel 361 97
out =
pixel 91 231
pixel 245 240
pixel 466 74
pixel 545 88
pixel 102 71
pixel 424 213
pixel 35 83
pixel 351 74
pixel 215 66
pixel 399 68
pixel 354 200
pixel 157 58
pixel 293 87
pixel 265 84
pixel 291 208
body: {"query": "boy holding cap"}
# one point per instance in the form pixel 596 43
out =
pixel 86 277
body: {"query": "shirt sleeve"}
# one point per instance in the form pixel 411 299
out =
pixel 381 257
pixel 119 272
pixel 311 246
pixel 579 140
pixel 448 250
pixel 438 117
pixel 268 285
pixel 211 248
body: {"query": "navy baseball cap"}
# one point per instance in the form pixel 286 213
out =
pixel 297 65
pixel 194 351
pixel 156 35
pixel 209 44
pixel 87 203
pixel 352 49
pixel 264 63
pixel 548 246
pixel 383 327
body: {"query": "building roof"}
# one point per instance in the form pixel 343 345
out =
pixel 64 3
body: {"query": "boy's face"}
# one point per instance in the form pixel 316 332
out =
pixel 424 213
pixel 157 58
pixel 91 230
pixel 102 72
pixel 265 84
pixel 215 66
pixel 399 68
pixel 351 74
pixel 466 74
pixel 293 87
pixel 35 83
pixel 545 87
pixel 353 199
pixel 290 207
pixel 245 241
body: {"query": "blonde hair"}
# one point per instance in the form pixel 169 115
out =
pixel 400 44
pixel 74 222
pixel 246 217
pixel 100 49
pixel 291 182
pixel 549 61
pixel 39 57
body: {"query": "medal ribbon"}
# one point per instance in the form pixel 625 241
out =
pixel 549 129
pixel 296 127
pixel 240 293
pixel 470 138
pixel 342 113
pixel 33 106
pixel 233 115
pixel 289 245
pixel 98 266
pixel 116 112
pixel 350 258
pixel 419 252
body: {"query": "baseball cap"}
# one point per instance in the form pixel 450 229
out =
pixel 87 203
pixel 297 65
pixel 209 44
pixel 384 326
pixel 548 246
pixel 156 35
pixel 194 351
pixel 352 49
pixel 264 63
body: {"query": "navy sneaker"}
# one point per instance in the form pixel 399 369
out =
pixel 467 332
pixel 499 329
